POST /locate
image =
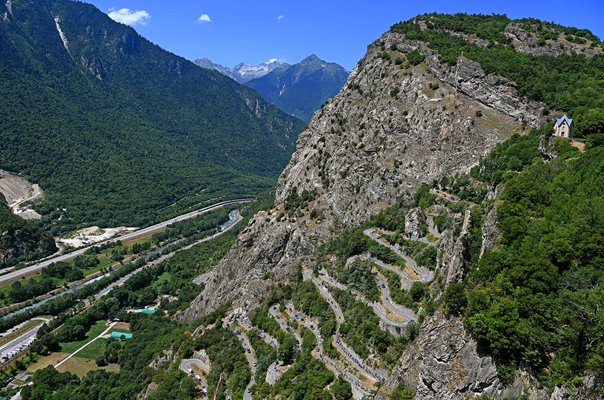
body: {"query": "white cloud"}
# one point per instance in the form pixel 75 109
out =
pixel 280 17
pixel 203 18
pixel 129 17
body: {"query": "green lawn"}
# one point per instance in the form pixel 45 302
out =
pixel 94 331
pixel 103 263
pixel 166 276
pixel 5 288
pixel 93 350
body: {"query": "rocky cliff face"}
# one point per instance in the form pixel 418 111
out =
pixel 530 38
pixel 449 367
pixel 392 128
pixel 444 364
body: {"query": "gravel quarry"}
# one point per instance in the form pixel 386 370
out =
pixel 19 194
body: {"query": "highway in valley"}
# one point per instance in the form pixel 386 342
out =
pixel 24 340
pixel 11 276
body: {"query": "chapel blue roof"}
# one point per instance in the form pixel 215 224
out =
pixel 559 121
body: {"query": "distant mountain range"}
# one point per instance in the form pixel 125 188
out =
pixel 241 72
pixel 302 88
pixel 298 89
pixel 118 131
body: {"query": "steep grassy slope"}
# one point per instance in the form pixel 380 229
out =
pixel 115 128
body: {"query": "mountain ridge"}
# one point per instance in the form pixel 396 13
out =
pixel 300 89
pixel 414 113
pixel 241 72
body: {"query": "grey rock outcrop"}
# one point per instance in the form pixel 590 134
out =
pixel 469 78
pixel 450 261
pixel 449 368
pixel 147 391
pixel 528 42
pixel 469 38
pixel 266 245
pixel 413 223
pixel 523 37
pixel 444 364
pixel 163 360
pixel 388 131
pixel 490 232
pixel 589 389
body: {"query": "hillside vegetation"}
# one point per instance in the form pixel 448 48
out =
pixel 535 300
pixel 21 240
pixel 114 128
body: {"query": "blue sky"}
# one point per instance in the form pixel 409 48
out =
pixel 229 32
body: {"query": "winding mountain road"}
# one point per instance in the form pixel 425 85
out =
pixel 378 308
pixel 359 389
pixel 188 363
pixel 406 280
pixel 356 360
pixel 274 311
pixel 188 366
pixel 425 274
pixel 403 311
pixel 250 356
pixel 307 275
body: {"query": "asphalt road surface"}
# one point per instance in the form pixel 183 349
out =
pixel 403 311
pixel 189 363
pixel 19 343
pixel 358 388
pixel 378 308
pixel 10 349
pixel 250 356
pixel 425 274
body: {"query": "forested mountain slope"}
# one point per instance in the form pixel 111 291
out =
pixel 21 240
pixel 114 128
